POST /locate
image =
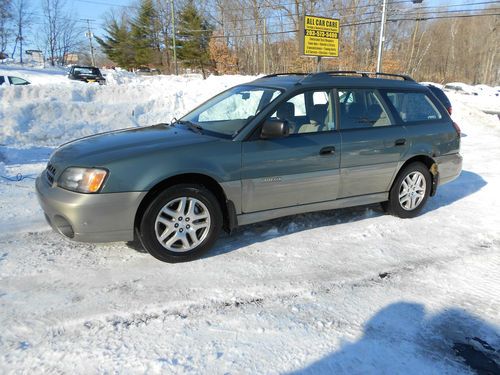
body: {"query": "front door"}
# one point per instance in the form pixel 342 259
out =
pixel 299 169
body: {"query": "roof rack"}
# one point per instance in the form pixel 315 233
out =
pixel 365 74
pixel 284 74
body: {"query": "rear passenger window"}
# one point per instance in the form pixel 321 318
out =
pixel 361 108
pixel 2 80
pixel 414 106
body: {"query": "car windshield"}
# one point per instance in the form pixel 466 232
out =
pixel 86 71
pixel 227 113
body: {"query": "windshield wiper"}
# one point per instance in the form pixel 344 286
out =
pixel 191 126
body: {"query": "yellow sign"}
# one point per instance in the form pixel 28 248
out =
pixel 319 36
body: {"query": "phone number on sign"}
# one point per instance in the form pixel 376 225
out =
pixel 322 34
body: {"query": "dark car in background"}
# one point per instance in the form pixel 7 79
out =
pixel 438 93
pixel 146 71
pixel 86 74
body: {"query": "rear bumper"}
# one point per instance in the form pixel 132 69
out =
pixel 449 167
pixel 89 217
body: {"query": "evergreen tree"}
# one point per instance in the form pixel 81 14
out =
pixel 145 34
pixel 117 45
pixel 193 38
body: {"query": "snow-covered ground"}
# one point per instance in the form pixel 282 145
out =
pixel 350 291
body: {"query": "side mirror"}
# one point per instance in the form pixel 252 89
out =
pixel 274 129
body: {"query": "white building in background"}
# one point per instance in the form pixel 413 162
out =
pixel 35 56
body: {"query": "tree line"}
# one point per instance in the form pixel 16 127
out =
pixel 442 43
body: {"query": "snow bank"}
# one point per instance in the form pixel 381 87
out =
pixel 52 113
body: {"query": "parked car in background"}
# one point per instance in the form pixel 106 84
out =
pixel 461 88
pixel 146 71
pixel 440 95
pixel 86 74
pixel 13 81
pixel 281 145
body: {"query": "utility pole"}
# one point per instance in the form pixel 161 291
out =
pixel 89 35
pixel 382 30
pixel 264 36
pixel 20 39
pixel 382 37
pixel 174 48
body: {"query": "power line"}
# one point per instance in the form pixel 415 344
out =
pixel 444 17
pixel 452 11
pixel 331 10
pixel 418 16
pixel 367 22
pixel 340 10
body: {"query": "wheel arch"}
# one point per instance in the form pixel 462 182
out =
pixel 227 207
pixel 429 162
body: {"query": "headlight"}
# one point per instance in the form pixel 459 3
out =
pixel 82 180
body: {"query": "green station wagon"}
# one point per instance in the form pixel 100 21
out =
pixel 281 145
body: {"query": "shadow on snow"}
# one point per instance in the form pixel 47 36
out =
pixel 402 339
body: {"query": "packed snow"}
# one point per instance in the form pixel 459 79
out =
pixel 349 291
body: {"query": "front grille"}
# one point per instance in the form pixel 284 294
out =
pixel 50 173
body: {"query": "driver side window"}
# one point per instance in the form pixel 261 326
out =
pixel 308 112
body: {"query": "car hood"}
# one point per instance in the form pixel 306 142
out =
pixel 102 148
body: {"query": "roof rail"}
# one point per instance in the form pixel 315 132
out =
pixel 284 74
pixel 365 74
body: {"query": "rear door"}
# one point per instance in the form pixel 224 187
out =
pixel 373 142
pixel 299 169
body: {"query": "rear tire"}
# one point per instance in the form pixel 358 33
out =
pixel 181 223
pixel 410 191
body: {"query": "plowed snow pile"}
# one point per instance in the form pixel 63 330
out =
pixel 350 291
pixel 49 114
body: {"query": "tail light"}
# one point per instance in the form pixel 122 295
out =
pixel 457 128
pixel 449 110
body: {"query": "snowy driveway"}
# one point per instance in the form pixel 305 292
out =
pixel 348 291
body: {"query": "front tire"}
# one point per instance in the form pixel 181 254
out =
pixel 181 223
pixel 410 191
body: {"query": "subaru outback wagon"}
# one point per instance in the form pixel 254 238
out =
pixel 281 145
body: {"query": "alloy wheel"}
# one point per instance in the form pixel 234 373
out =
pixel 182 224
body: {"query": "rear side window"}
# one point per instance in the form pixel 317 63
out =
pixel 414 106
pixel 361 108
pixel 2 80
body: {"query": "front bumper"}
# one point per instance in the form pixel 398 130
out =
pixel 449 167
pixel 89 217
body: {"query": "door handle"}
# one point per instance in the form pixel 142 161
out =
pixel 400 142
pixel 327 150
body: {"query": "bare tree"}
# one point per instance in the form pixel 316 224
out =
pixel 60 31
pixel 5 17
pixel 52 12
pixel 22 19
